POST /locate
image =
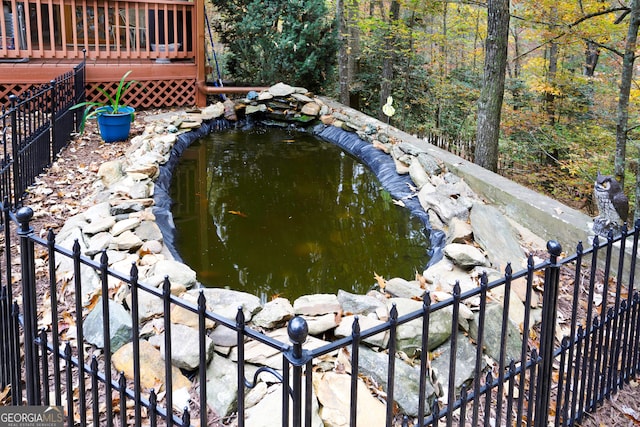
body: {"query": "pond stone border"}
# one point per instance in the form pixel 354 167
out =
pixel 130 207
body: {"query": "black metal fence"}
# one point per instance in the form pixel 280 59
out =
pixel 544 380
pixel 35 127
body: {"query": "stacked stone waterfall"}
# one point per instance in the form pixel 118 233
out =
pixel 119 220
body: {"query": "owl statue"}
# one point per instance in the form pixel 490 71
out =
pixel 613 205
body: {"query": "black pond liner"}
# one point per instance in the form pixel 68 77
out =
pixel 380 163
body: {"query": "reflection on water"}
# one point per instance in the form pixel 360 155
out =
pixel 273 212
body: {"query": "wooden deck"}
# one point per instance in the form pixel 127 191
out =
pixel 160 41
pixel 43 70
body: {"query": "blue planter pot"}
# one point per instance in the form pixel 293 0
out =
pixel 115 127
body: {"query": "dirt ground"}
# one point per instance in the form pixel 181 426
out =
pixel 60 191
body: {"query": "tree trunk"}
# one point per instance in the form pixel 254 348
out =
pixel 636 211
pixel 407 68
pixel 443 64
pixel 343 56
pixel 592 55
pixel 444 51
pixel 476 38
pixel 516 92
pixel 354 47
pixel 386 79
pixel 550 97
pixel 492 93
pixel 625 90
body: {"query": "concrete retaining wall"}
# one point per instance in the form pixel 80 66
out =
pixel 542 215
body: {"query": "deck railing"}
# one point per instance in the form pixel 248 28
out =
pixel 106 29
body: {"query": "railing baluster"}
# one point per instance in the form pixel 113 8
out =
pixel 106 331
pixel 68 369
pixel 455 318
pixel 636 342
pixel 510 390
pixel 202 365
pixel 355 351
pixel 44 351
pixel 477 372
pixel 298 331
pixel 533 370
pixel 285 391
pixel 153 407
pixel 135 326
pixel 241 383
pixel 16 382
pixel 168 372
pixel 593 355
pixel 603 338
pixel 572 327
pixel 464 400
pixel 95 396
pixel 579 376
pixel 393 329
pixel 589 359
pixel 488 399
pixel 625 377
pixel 5 341
pixel 308 387
pixel 503 340
pixel 525 341
pixel 616 335
pixel 424 355
pixel 29 307
pixel 77 276
pixel 562 381
pixel 122 385
pixel 547 335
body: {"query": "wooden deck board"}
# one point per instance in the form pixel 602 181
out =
pixel 42 71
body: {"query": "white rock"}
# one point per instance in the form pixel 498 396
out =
pixel 281 89
pixel 465 256
pixel 124 225
pixel 316 304
pixel 333 392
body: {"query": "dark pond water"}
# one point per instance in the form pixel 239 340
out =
pixel 272 212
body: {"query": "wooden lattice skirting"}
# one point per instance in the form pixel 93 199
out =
pixel 151 93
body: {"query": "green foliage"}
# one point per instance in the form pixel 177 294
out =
pixel 558 126
pixel 278 40
pixel 112 105
pixel 562 161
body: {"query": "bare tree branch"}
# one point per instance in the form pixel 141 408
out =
pixel 573 24
pixel 604 46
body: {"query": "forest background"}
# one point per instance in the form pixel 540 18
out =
pixel 567 108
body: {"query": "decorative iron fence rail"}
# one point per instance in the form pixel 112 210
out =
pixel 35 127
pixel 541 380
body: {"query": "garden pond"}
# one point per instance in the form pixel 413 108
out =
pixel 276 212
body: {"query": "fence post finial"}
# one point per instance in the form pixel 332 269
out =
pixel 24 215
pixel 29 307
pixel 298 331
